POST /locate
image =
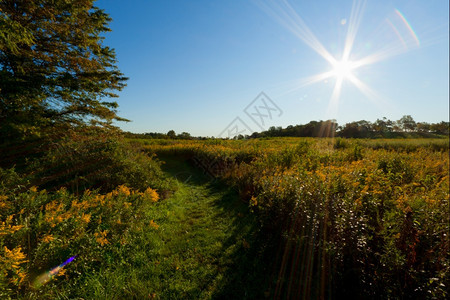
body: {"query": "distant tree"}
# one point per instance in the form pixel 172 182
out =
pixel 274 131
pixel 185 135
pixel 423 127
pixel 396 126
pixel 54 67
pixel 380 126
pixel 359 129
pixel 326 128
pixel 255 135
pixel 389 125
pixel 440 128
pixel 349 130
pixel 171 134
pixel 310 129
pixel 407 123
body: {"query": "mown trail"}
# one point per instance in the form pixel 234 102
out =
pixel 202 244
pixel 205 244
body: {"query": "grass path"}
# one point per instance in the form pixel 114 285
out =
pixel 204 247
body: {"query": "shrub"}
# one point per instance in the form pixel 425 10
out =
pixel 93 158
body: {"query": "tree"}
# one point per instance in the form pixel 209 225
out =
pixel 359 129
pixel 185 135
pixel 255 135
pixel 380 126
pixel 389 125
pixel 54 69
pixel 408 123
pixel 440 128
pixel 423 127
pixel 12 34
pixel 171 134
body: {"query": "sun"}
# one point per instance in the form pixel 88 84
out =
pixel 342 69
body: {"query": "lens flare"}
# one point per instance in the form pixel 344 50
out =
pixel 341 67
pixel 47 276
pixel 408 26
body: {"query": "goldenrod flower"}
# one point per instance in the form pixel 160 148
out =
pixel 86 218
pixel 123 189
pixel 48 238
pixel 151 195
pixel 153 225
pixel 12 260
pixel 6 228
pixel 100 237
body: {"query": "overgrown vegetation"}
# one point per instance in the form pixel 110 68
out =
pixel 364 218
pixel 40 230
pixel 334 217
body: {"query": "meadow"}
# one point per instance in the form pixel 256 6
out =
pixel 349 216
pixel 88 211
pixel 260 218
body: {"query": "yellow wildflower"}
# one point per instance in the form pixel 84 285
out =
pixel 15 256
pixel 98 198
pixel 3 203
pixel 61 272
pixel 86 218
pixel 123 189
pixel 48 238
pixel 6 228
pixel 14 259
pixel 151 195
pixel 153 225
pixel 100 237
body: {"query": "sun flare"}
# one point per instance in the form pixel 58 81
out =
pixel 342 69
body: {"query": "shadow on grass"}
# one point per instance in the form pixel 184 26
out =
pixel 244 265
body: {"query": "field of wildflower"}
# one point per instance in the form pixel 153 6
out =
pixel 39 230
pixel 334 218
pixel 350 216
pixel 81 201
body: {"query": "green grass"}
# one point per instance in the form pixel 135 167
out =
pixel 205 247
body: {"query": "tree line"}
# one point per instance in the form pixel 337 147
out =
pixel 381 128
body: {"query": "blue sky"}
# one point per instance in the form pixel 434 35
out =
pixel 196 65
